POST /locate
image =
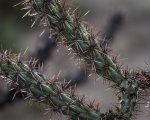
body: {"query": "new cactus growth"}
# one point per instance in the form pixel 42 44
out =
pixel 81 42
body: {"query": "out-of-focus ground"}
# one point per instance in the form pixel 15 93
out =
pixel 131 42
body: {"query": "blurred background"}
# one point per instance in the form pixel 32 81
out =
pixel 130 26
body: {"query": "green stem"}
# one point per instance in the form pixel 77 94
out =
pixel 49 93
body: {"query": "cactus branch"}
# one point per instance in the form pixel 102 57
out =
pixel 45 46
pixel 112 27
pixel 76 36
pixel 49 93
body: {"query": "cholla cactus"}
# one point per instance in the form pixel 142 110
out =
pixel 82 42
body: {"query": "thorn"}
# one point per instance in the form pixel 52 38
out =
pixel 35 20
pixel 27 13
